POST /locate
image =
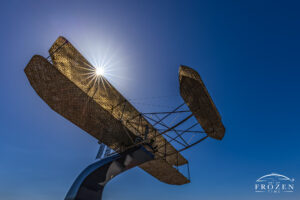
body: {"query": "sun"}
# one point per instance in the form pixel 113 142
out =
pixel 100 71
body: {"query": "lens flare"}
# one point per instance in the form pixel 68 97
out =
pixel 100 71
pixel 105 63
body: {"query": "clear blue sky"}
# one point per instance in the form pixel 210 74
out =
pixel 247 53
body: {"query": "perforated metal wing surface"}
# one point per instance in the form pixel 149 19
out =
pixel 196 96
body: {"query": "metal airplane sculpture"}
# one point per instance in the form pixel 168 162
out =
pixel 66 81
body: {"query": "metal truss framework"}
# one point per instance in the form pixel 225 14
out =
pixel 161 128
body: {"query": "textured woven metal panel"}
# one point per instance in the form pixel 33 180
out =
pixel 196 96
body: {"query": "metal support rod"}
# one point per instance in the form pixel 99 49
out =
pixel 123 110
pixel 188 168
pixel 170 113
pixel 146 132
pixel 184 132
pixel 180 150
pixel 137 131
pixel 119 104
pixel 167 129
pixel 178 135
pixel 177 162
pixel 172 139
pixel 165 149
pixel 128 134
pixel 180 111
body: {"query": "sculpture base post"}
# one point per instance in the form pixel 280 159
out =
pixel 90 183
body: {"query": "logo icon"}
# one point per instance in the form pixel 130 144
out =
pixel 274 183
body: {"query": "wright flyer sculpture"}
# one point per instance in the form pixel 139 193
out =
pixel 67 83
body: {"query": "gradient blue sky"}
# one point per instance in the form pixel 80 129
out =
pixel 247 53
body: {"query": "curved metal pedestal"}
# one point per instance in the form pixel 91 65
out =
pixel 90 183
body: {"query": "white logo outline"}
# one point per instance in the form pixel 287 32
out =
pixel 274 183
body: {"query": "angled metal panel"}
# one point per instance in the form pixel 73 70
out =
pixel 196 96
